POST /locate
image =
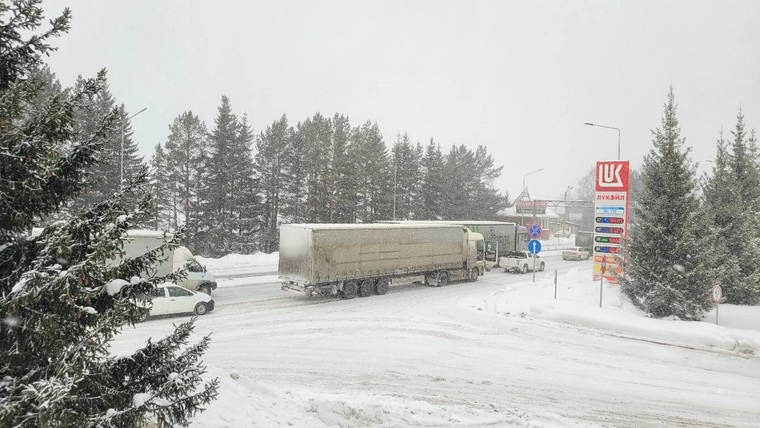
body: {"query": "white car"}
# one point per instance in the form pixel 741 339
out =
pixel 169 299
pixel 576 253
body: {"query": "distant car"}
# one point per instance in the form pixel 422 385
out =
pixel 170 299
pixel 576 253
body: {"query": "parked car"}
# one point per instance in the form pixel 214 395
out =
pixel 170 299
pixel 576 253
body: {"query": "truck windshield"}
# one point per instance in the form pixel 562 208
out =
pixel 193 266
pixel 492 249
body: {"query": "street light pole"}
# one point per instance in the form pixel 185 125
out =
pixel 395 169
pixel 121 153
pixel 564 226
pixel 522 221
pixel 608 127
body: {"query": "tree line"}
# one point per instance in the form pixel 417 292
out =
pixel 232 188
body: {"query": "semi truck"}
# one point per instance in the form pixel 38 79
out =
pixel 501 238
pixel 347 260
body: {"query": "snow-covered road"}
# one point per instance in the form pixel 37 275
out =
pixel 497 352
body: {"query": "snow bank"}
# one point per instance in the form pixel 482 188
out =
pixel 577 304
pixel 243 401
pixel 236 264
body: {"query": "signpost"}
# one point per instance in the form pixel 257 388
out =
pixel 610 218
pixel 717 294
pixel 534 247
pixel 535 230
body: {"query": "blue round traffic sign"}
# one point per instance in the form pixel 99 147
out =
pixel 534 246
pixel 535 230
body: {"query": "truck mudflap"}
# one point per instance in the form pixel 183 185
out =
pixel 297 288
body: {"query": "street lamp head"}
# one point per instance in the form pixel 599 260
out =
pixel 588 123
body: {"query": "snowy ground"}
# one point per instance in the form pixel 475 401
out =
pixel 499 352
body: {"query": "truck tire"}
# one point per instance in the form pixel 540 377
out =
pixel 382 285
pixel 443 278
pixel 366 288
pixel 541 267
pixel 474 274
pixel 525 269
pixel 349 290
pixel 205 288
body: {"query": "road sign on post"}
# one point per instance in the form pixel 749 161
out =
pixel 534 246
pixel 717 294
pixel 535 230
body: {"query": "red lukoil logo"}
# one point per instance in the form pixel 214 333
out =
pixel 612 176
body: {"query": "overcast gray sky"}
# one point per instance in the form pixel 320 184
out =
pixel 519 77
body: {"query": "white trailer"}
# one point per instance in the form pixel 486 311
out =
pixel 363 259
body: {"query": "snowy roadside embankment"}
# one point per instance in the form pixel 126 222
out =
pixel 577 304
pixel 246 402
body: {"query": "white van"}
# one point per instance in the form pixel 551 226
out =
pixel 138 242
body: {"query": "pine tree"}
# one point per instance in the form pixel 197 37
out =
pixel 271 146
pixel 669 267
pixel 120 158
pixel 486 198
pixel 316 133
pixel 186 164
pixel 161 189
pixel 247 207
pixel 217 222
pixel 342 204
pixel 294 208
pixel 722 201
pixel 60 304
pixel 406 164
pixel 373 174
pixel 432 189
pixel 743 284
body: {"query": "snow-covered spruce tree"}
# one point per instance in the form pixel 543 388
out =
pixel 433 182
pixel 746 239
pixel 60 304
pixel 162 190
pixel 271 146
pixel 187 165
pixel 670 267
pixel 734 222
pixel 106 173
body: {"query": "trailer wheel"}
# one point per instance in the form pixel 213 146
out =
pixel 366 288
pixel 525 269
pixel 349 290
pixel 382 285
pixel 474 274
pixel 443 278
